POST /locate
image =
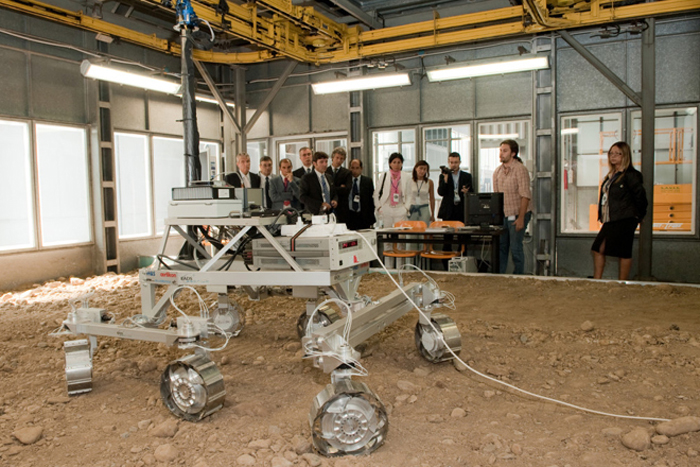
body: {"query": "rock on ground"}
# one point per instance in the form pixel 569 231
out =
pixel 28 435
pixel 166 453
pixel 678 426
pixel 637 439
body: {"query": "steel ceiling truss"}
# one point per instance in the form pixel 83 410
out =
pixel 282 30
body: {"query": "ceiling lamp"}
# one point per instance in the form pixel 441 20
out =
pixel 363 83
pixel 491 68
pixel 211 100
pixel 112 74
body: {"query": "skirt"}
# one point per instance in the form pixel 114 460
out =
pixel 618 237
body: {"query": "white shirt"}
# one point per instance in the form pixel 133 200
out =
pixel 245 179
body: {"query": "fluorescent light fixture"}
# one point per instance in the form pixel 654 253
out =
pixel 129 78
pixel 492 68
pixel 211 100
pixel 502 136
pixel 359 84
pixel 569 131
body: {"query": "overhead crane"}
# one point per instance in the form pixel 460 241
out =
pixel 283 30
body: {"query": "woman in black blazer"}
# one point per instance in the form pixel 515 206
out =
pixel 621 207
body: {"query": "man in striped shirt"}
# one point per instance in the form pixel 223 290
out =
pixel 513 180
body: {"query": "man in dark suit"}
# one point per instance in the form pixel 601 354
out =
pixel 243 177
pixel 341 177
pixel 316 189
pixel 305 156
pixel 453 185
pixel 359 202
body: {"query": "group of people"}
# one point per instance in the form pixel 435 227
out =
pixel 323 185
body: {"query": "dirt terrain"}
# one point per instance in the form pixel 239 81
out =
pixel 617 348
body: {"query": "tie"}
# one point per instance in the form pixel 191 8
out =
pixel 308 171
pixel 326 192
pixel 286 184
pixel 335 172
pixel 355 194
pixel 266 193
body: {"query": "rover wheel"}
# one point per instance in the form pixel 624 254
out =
pixel 347 418
pixel 192 387
pixel 322 318
pixel 428 342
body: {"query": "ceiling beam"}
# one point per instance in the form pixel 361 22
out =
pixel 355 11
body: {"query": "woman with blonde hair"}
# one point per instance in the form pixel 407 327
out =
pixel 621 207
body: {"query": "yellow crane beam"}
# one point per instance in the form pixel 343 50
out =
pixel 300 33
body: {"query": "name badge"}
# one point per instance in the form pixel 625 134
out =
pixel 456 199
pixel 356 199
pixel 396 197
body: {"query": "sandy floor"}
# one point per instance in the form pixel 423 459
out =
pixel 639 355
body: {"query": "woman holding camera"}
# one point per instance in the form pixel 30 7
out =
pixel 421 196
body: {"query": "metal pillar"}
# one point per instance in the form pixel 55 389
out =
pixel 239 88
pixel 193 168
pixel 648 123
pixel 358 141
pixel 544 200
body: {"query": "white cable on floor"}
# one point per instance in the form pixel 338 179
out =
pixel 442 341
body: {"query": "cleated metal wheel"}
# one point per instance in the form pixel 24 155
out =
pixel 192 387
pixel 347 419
pixel 229 319
pixel 78 366
pixel 322 318
pixel 428 341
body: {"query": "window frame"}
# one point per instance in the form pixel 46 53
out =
pixel 560 163
pixel 416 143
pixel 34 187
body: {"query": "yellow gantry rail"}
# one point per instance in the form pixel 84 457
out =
pixel 280 29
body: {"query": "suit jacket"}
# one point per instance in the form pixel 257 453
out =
pixel 300 172
pixel 234 179
pixel 342 181
pixel 406 179
pixel 311 193
pixel 449 211
pixel 279 195
pixel 365 218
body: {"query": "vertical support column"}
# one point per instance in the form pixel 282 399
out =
pixel 107 179
pixel 648 123
pixel 239 88
pixel 358 141
pixel 544 206
pixel 193 167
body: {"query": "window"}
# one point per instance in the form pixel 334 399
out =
pixel 290 150
pixel 328 145
pixel 256 150
pixel 133 185
pixel 675 156
pixel 209 158
pixel 16 201
pixel 168 172
pixel 491 135
pixel 438 143
pixel 585 140
pixel 62 172
pixel 384 143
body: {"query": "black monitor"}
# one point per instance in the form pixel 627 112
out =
pixel 483 209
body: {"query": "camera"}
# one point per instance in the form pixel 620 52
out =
pixel 445 170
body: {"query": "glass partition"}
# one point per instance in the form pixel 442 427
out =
pixel 675 166
pixel 133 165
pixel 384 143
pixel 62 173
pixel 490 136
pixel 584 143
pixel 16 200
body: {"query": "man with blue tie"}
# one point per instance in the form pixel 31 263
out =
pixel 265 179
pixel 316 189
pixel 360 200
